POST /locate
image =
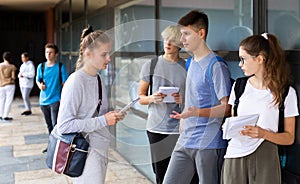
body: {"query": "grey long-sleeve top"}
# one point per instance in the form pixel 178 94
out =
pixel 79 100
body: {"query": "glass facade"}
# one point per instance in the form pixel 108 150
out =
pixel 284 22
pixel 136 26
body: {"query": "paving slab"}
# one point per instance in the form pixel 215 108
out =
pixel 22 162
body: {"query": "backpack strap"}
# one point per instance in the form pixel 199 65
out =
pixel 239 89
pixel 188 62
pixel 100 93
pixel 282 150
pixel 42 67
pixel 152 67
pixel 281 111
pixel 60 75
pixel 209 74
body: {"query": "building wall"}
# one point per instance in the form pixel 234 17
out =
pixel 20 32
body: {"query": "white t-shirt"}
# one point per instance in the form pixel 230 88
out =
pixel 255 101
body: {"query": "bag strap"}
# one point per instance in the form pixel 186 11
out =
pixel 152 67
pixel 100 93
pixel 239 89
pixel 281 111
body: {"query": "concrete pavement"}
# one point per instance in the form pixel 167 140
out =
pixel 21 159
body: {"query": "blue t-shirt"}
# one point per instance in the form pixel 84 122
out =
pixel 203 132
pixel 52 81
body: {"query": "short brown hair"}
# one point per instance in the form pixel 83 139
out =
pixel 52 46
pixel 196 19
pixel 7 56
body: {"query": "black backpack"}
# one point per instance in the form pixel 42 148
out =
pixel 289 155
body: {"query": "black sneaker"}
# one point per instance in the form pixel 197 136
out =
pixel 26 113
pixel 44 151
pixel 8 118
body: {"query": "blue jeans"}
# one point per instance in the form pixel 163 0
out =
pixel 50 114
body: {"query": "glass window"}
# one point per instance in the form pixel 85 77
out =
pixel 229 20
pixel 65 36
pixel 77 28
pixel 135 28
pixel 99 21
pixel 64 12
pixel 284 22
pixel 135 38
pixel 131 137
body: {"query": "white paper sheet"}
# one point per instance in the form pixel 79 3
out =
pixel 168 91
pixel 233 125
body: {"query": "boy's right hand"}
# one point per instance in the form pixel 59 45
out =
pixel 42 86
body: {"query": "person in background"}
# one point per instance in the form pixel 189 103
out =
pixel 26 81
pixel 162 130
pixel 7 85
pixel 253 156
pixel 50 79
pixel 200 147
pixel 80 98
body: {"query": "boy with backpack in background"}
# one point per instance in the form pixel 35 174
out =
pixel 50 77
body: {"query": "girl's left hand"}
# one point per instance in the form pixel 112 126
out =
pixel 253 131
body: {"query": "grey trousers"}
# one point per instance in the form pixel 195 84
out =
pixel 260 167
pixel 25 95
pixel 184 163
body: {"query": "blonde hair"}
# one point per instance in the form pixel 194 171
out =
pixel 90 39
pixel 172 33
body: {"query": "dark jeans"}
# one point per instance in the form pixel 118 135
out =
pixel 161 147
pixel 50 114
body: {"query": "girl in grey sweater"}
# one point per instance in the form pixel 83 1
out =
pixel 79 100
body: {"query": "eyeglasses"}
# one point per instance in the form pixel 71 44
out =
pixel 242 59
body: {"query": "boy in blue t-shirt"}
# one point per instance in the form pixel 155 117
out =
pixel 200 146
pixel 50 78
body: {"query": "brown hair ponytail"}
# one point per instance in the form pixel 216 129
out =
pixel 277 72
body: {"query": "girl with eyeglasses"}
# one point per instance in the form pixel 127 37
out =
pixel 252 157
